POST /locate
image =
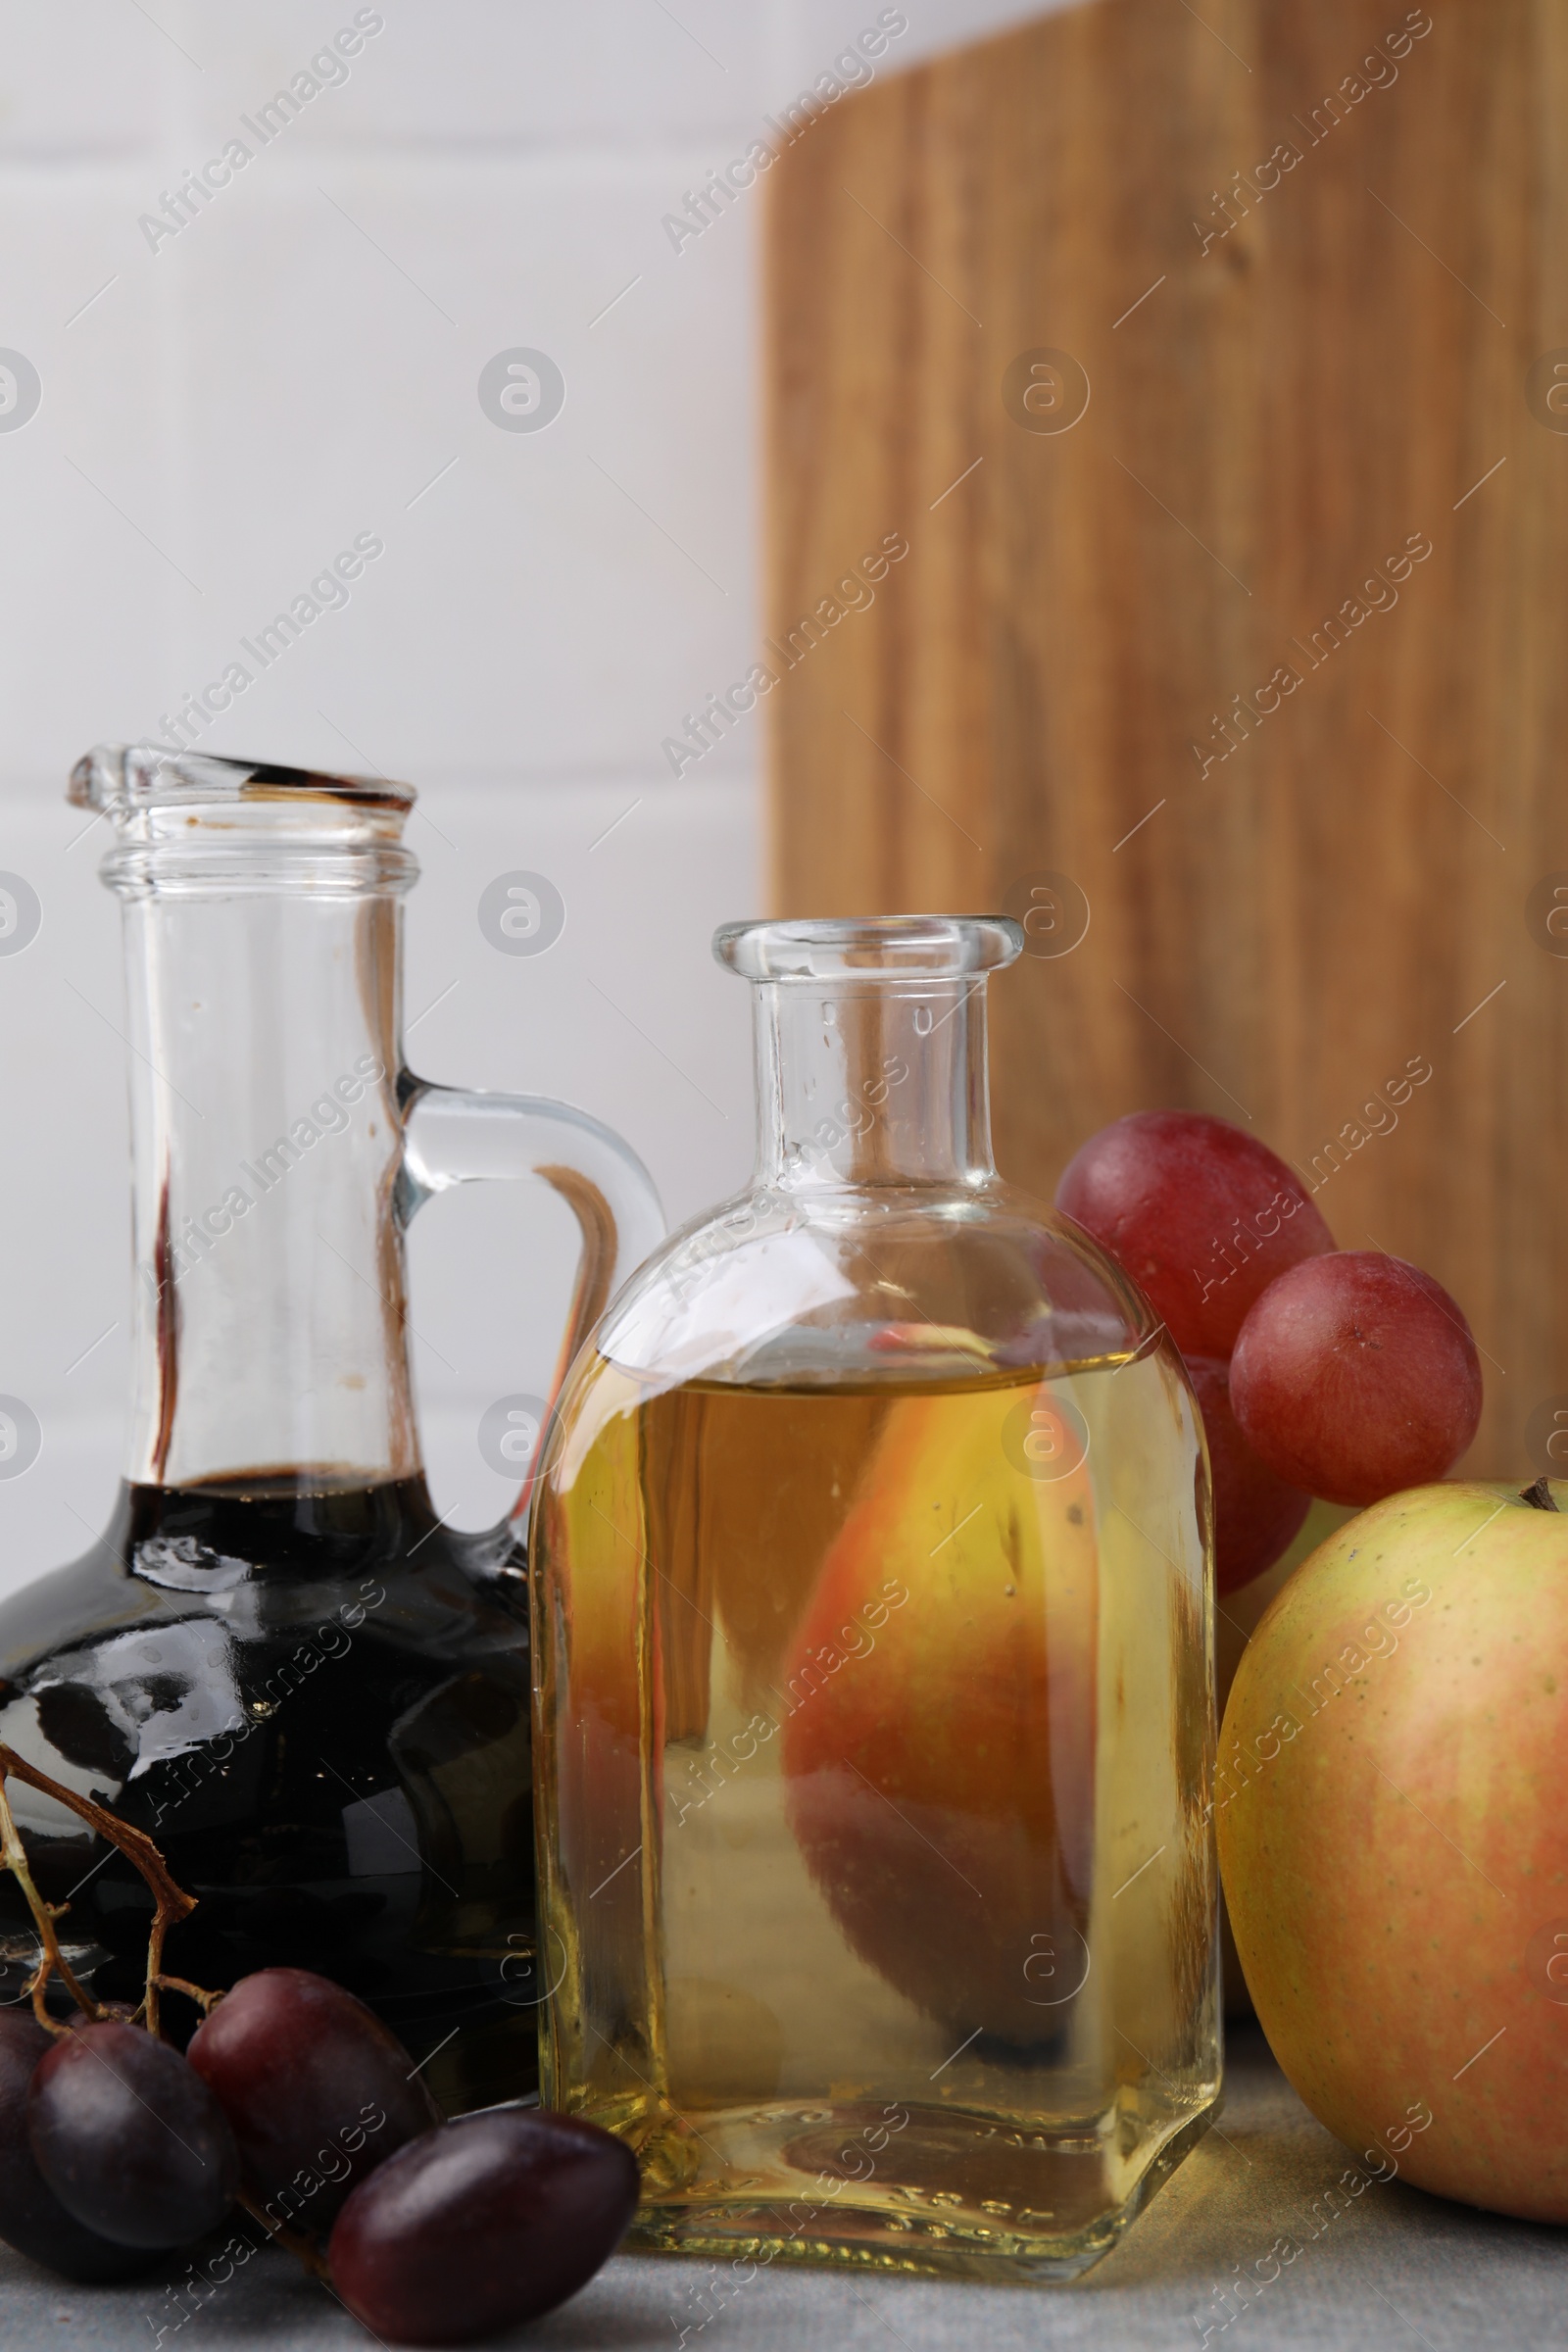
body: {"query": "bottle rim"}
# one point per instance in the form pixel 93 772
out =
pixel 189 824
pixel 124 779
pixel 869 947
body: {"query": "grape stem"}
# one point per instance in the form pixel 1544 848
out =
pixel 44 1915
pixel 293 2242
pixel 170 1903
pixel 205 2001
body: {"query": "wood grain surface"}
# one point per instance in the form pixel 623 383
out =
pixel 1300 899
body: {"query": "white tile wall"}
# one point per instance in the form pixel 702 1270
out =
pixel 221 410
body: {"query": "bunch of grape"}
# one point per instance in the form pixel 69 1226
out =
pixel 1340 1373
pixel 293 2100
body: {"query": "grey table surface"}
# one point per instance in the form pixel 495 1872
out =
pixel 1394 2268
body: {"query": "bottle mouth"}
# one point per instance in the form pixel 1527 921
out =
pixel 187 821
pixel 123 777
pixel 870 948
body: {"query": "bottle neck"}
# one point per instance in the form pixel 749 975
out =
pixel 872 1083
pixel 268 1301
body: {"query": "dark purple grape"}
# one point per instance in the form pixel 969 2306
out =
pixel 317 2092
pixel 129 2139
pixel 481 2224
pixel 31 2217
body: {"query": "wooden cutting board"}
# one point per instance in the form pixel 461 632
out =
pixel 1262 654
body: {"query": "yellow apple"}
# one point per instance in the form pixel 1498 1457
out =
pixel 1394 1838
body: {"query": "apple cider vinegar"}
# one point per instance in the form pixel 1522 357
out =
pixel 883 1849
pixel 873 1691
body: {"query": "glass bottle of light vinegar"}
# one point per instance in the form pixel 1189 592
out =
pixel 873 1674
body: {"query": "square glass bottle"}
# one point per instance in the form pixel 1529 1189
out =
pixel 873 1658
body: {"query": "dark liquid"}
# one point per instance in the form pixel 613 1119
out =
pixel 316 1705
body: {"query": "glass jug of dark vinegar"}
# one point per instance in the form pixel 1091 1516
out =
pixel 277 1660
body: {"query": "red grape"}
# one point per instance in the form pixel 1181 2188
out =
pixel 31 2217
pixel 318 2091
pixel 1256 1515
pixel 1201 1216
pixel 1356 1374
pixel 129 2139
pixel 481 2224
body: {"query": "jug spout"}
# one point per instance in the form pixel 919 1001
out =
pixel 184 820
pixel 128 776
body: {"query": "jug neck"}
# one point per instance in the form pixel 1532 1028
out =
pixel 263 944
pixel 269 1317
pixel 872 1082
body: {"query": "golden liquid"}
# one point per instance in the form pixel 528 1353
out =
pixel 877 1865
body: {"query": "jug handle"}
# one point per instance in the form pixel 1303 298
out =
pixel 458 1135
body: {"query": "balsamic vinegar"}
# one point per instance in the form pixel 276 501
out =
pixel 315 1699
